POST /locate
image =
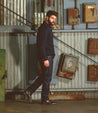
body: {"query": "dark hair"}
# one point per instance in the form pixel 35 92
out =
pixel 50 12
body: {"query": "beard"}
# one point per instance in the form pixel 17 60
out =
pixel 50 23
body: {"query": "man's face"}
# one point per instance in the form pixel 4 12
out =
pixel 51 19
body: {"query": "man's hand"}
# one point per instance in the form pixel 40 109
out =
pixel 46 63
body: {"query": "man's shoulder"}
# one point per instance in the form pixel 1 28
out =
pixel 44 26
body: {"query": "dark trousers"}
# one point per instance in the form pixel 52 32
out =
pixel 44 79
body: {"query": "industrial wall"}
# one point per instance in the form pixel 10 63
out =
pixel 16 62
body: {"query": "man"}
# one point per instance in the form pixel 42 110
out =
pixel 45 50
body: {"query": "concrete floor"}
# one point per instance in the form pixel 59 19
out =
pixel 84 106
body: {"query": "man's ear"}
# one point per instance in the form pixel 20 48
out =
pixel 47 17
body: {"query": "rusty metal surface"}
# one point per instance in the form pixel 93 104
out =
pixel 90 13
pixel 93 73
pixel 93 46
pixel 73 16
pixel 70 63
pixel 66 97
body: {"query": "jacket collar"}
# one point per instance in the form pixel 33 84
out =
pixel 48 25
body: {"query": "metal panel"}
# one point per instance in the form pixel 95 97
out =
pixel 79 41
pixel 71 4
pixel 19 7
pixel 40 8
pixel 16 59
pixel 15 46
pixel 87 94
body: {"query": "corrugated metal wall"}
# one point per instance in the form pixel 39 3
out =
pixel 16 59
pixel 80 84
pixel 79 41
pixel 18 6
pixel 40 7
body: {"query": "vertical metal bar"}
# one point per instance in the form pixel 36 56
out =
pixel 23 9
pixel 56 9
pixel 40 12
pixel 6 14
pixel 86 25
pixel 0 13
pixel 28 53
pixel 14 8
pixel 20 10
pixel 76 4
pixel 59 11
pixel 37 10
pixel 13 14
pixel 62 14
pixel 10 13
pixel 51 3
pixel 16 2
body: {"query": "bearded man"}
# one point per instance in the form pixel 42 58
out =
pixel 45 53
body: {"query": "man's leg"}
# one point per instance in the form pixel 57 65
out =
pixel 47 76
pixel 32 88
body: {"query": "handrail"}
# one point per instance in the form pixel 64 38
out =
pixel 76 50
pixel 54 36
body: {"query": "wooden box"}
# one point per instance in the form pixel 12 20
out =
pixel 93 46
pixel 73 16
pixel 93 73
pixel 90 13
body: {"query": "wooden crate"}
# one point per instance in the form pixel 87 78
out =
pixel 2 72
pixel 93 73
pixel 93 46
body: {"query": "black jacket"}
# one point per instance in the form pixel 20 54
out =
pixel 45 45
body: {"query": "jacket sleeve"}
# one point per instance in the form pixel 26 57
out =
pixel 43 43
